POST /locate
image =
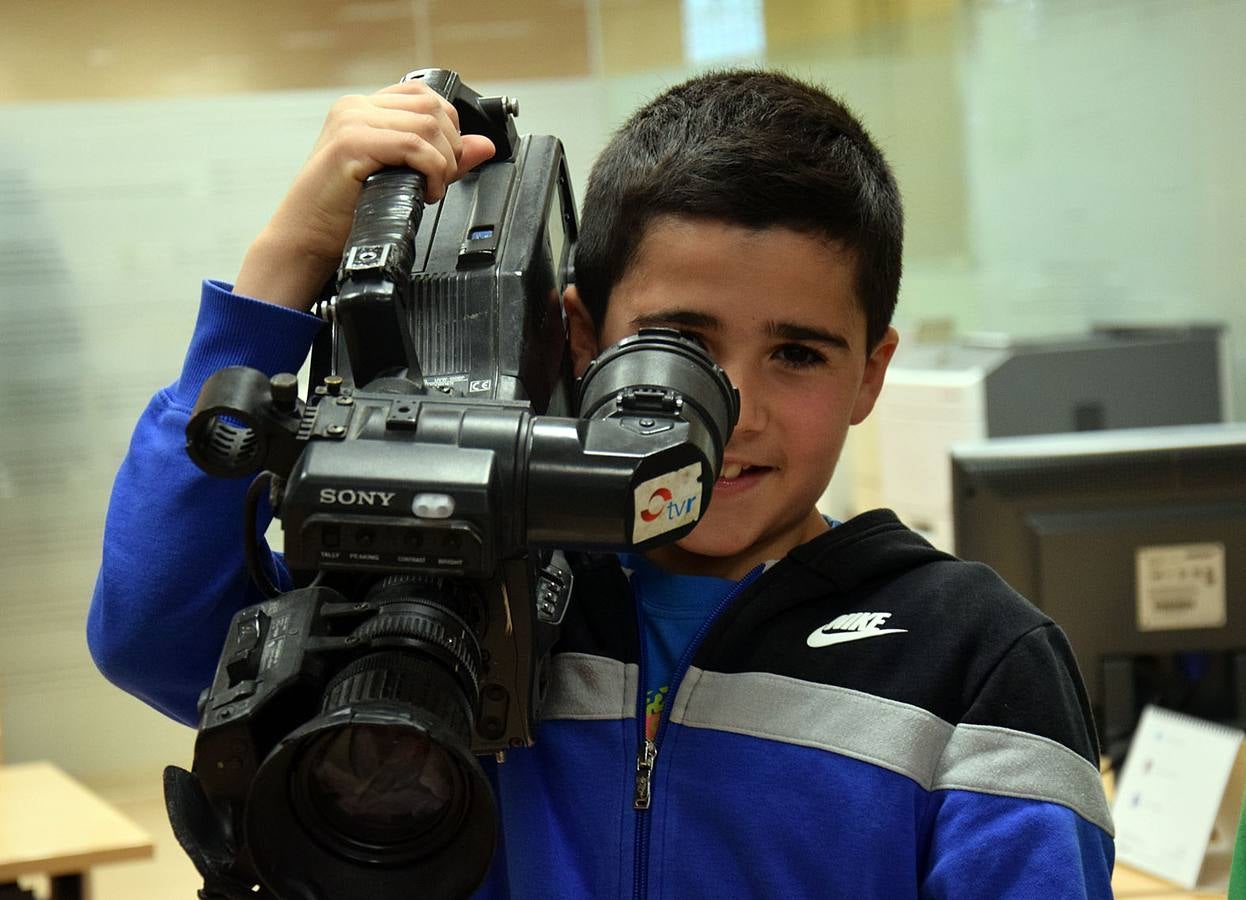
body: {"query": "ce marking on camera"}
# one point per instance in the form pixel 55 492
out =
pixel 480 386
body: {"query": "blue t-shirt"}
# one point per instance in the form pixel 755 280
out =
pixel 672 609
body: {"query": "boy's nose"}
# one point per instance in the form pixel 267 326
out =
pixel 752 405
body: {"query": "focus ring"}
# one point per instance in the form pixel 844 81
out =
pixel 433 624
pixel 401 678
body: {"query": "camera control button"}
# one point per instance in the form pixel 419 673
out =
pixel 433 506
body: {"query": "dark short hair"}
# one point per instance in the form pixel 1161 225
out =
pixel 751 148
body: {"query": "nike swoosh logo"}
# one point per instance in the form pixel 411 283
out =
pixel 822 639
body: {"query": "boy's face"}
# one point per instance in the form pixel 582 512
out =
pixel 777 310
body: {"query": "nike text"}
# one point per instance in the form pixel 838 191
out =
pixel 852 627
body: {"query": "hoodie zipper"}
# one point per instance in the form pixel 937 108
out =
pixel 647 753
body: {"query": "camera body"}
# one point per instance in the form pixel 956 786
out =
pixel 428 487
pixel 402 480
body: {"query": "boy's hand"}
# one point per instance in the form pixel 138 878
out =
pixel 403 125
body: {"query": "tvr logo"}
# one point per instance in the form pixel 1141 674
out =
pixel 669 501
pixel 662 502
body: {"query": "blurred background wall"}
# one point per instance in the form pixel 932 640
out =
pixel 1063 163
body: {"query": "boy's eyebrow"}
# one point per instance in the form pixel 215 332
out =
pixel 788 331
pixel 791 331
pixel 685 317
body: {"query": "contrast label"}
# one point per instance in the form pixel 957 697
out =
pixel 1180 586
pixel 666 502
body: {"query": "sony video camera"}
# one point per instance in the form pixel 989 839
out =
pixel 442 462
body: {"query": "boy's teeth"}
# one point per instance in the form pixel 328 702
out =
pixel 731 470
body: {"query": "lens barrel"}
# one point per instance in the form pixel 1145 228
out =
pixel 385 794
pixel 379 796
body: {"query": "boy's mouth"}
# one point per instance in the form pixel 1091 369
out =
pixel 734 471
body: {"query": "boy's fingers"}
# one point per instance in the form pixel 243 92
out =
pixel 359 150
pixel 432 157
pixel 425 115
pixel 441 168
pixel 426 103
pixel 420 90
pixel 442 165
pixel 400 117
pixel 363 138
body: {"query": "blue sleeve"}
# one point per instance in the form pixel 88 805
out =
pixel 1025 815
pixel 1010 848
pixel 172 573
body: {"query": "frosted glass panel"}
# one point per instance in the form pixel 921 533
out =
pixel 109 215
pixel 1104 161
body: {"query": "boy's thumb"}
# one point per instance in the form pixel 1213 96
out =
pixel 476 149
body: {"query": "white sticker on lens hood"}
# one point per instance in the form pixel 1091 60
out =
pixel 667 502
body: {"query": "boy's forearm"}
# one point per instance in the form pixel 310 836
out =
pixel 279 272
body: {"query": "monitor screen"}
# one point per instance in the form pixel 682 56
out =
pixel 1134 542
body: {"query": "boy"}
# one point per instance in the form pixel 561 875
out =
pixel 772 706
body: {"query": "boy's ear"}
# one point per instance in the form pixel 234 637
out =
pixel 874 375
pixel 581 333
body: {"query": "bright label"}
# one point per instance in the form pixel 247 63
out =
pixel 1180 586
pixel 1171 798
pixel 666 502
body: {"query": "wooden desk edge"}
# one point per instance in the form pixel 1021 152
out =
pixel 74 863
pixel 134 844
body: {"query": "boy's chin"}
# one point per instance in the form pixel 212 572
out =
pixel 709 550
pixel 715 543
pixel 723 549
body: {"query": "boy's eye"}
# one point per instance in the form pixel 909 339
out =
pixel 799 356
pixel 694 337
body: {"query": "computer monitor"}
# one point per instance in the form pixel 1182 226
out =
pixel 1134 542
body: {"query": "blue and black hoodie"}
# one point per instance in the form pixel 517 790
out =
pixel 867 718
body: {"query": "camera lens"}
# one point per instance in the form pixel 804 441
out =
pixel 379 791
pixel 381 785
pixel 377 800
pixel 386 789
pixel 376 793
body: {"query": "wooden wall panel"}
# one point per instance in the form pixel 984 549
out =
pixel 71 49
pixel 640 36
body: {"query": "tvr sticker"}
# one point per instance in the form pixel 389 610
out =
pixel 667 502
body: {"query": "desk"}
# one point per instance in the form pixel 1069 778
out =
pixel 1129 883
pixel 52 825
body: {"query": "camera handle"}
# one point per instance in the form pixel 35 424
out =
pixel 379 256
